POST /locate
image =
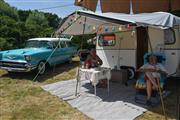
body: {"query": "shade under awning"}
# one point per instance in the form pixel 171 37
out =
pixel 79 22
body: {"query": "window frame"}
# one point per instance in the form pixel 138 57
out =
pixel 173 34
pixel 106 45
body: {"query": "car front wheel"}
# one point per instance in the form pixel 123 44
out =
pixel 41 68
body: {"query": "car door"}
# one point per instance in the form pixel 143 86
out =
pixel 64 51
pixel 56 55
pixel 71 49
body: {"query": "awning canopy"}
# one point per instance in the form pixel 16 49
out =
pixel 80 22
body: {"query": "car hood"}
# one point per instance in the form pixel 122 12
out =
pixel 18 54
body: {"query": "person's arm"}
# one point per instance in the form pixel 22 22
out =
pixel 146 68
pixel 161 69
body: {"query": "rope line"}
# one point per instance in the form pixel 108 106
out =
pixel 60 6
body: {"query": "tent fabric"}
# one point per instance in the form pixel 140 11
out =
pixel 76 28
pixel 82 19
pixel 163 19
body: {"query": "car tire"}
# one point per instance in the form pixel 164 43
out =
pixel 11 73
pixel 131 73
pixel 41 68
pixel 70 60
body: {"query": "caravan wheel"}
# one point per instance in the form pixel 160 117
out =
pixel 131 73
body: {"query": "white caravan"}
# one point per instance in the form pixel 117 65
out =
pixel 127 48
pixel 116 46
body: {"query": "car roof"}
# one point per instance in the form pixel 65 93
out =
pixel 49 39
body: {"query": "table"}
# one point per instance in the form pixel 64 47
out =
pixel 94 75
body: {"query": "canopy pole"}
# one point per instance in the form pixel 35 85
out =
pixel 84 25
pixel 77 77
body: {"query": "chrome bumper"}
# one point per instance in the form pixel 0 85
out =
pixel 16 67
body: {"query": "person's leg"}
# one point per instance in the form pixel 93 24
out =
pixel 148 89
pixel 152 79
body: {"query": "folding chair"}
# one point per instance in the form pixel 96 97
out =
pixel 140 86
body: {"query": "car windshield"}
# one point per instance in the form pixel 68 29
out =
pixel 37 44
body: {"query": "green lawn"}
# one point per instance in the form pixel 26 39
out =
pixel 23 99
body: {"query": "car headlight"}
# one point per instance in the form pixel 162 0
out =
pixel 27 57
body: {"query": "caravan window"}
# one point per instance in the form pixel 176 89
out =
pixel 169 36
pixel 107 40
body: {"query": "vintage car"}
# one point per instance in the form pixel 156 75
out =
pixel 38 54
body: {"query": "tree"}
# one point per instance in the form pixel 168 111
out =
pixel 24 14
pixel 4 45
pixel 53 20
pixel 37 24
pixel 6 10
pixel 16 26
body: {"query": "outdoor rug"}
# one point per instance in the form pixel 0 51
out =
pixel 118 105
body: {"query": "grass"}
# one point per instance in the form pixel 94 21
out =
pixel 23 99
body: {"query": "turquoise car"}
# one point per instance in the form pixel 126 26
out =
pixel 38 54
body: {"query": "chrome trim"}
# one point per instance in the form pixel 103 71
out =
pixel 14 61
pixel 18 69
pixel 16 66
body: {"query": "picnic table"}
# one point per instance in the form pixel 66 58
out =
pixel 94 75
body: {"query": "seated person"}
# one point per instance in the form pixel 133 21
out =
pixel 93 60
pixel 152 71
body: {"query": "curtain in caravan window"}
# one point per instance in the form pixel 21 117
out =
pixel 169 36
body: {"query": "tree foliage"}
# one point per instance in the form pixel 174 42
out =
pixel 16 26
pixel 6 10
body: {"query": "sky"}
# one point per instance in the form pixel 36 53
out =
pixel 65 7
pixel 41 4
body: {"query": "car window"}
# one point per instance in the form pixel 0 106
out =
pixel 63 44
pixel 56 44
pixel 32 44
pixel 44 44
pixel 38 44
pixel 69 44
